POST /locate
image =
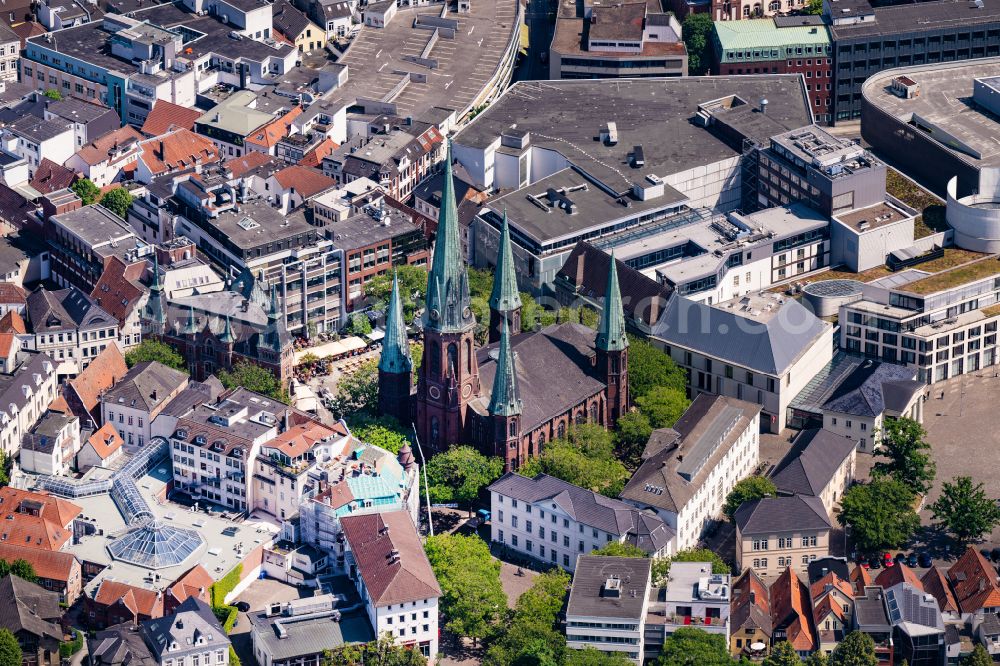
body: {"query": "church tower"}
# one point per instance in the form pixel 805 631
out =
pixel 395 364
pixel 155 312
pixel 449 374
pixel 612 348
pixel 505 405
pixel 505 300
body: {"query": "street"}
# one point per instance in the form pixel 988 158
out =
pixel 540 30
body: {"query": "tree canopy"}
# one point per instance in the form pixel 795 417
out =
pixel 619 549
pixel 857 649
pixel 357 391
pixel 460 474
pixel 631 434
pixel 53 94
pixel 880 514
pixel 593 657
pixel 650 367
pixel 694 647
pixel 965 510
pixel 381 652
pixel 531 636
pixel 10 649
pixel 472 601
pixel 747 490
pixel 359 324
pixel 782 654
pixel 382 431
pixel 254 378
pixel 978 657
pixel 412 290
pixel 117 201
pixel 697 31
pixel 20 568
pixel 86 190
pixel 154 350
pixel 585 457
pixel 906 455
pixel 663 406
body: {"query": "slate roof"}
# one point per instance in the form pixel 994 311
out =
pixel 15 209
pixel 781 514
pixel 769 347
pixel 973 581
pixel 587 597
pixel 146 386
pixel 659 481
pixel 120 645
pixel 389 579
pixel 870 613
pixel 820 567
pixel 288 20
pixel 50 177
pixel 65 309
pixel 585 506
pixel 167 115
pixel 751 604
pixel 586 269
pixel 191 620
pixel 555 371
pixel 811 463
pixel 936 584
pixel 27 607
pixel 874 387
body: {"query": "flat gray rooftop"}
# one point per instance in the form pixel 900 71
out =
pixel 657 114
pixel 945 102
pixel 376 61
pixel 258 223
pixel 916 17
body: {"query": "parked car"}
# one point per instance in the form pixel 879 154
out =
pixel 887 560
pixel 996 554
pixel 925 560
pixel 985 552
pixel 912 561
pixel 875 562
pixel 900 558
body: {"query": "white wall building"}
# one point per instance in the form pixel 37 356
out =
pixel 135 401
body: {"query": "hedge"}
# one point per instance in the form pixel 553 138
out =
pixel 227 616
pixel 68 648
pixel 233 659
pixel 225 585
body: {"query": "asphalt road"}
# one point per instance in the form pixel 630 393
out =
pixel 540 29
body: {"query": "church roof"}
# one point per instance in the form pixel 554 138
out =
pixel 505 296
pixel 505 397
pixel 611 333
pixel 395 356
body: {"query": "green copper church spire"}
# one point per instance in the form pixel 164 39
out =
pixel 448 297
pixel 191 327
pixel 227 337
pixel 505 296
pixel 273 313
pixel 611 333
pixel 395 347
pixel 154 306
pixel 505 399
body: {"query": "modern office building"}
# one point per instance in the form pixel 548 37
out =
pixel 779 45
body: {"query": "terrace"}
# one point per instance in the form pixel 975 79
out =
pixel 963 274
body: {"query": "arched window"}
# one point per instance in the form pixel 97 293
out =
pixel 453 359
pixel 513 429
pixel 435 431
pixel 434 356
pixel 561 430
pixel 541 440
pixel 580 418
pixel 593 412
pixel 468 356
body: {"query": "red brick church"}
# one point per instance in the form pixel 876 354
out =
pixel 521 390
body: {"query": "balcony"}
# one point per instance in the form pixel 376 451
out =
pixel 694 621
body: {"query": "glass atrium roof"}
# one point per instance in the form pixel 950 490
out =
pixel 155 545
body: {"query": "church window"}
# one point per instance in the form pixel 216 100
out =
pixel 561 430
pixel 513 428
pixel 434 352
pixel 468 356
pixel 435 431
pixel 453 358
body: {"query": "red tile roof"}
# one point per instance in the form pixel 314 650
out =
pixel 27 30
pixel 305 180
pixel 861 578
pixel 900 573
pixel 10 293
pixel 138 600
pixel 7 342
pixel 790 608
pixel 12 322
pixel 239 166
pixel 50 177
pixel 817 589
pixel 299 439
pixel 314 157
pixel 99 151
pixel 105 441
pixel 390 557
pixel 59 405
pixel 118 290
pixel 179 149
pixel 102 373
pixel 193 583
pixel 166 116
pixel 268 136
pixel 35 520
pixel 936 585
pixel 55 565
pixel 974 582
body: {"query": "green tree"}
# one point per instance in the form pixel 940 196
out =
pixel 661 567
pixel 586 458
pixel 814 7
pixel 857 649
pixel 382 652
pixel 254 378
pixel 693 647
pixel 965 510
pixel 472 598
pixel 697 31
pixel 86 190
pixel 412 289
pixel 531 635
pixel 593 657
pixel 880 514
pixel 480 283
pixel 619 549
pixel 978 657
pixel 650 367
pixel 117 201
pixel 357 391
pixel 10 650
pixel 534 315
pixel 382 431
pixel 816 659
pixel 460 474
pixel 907 455
pixel 359 325
pixel 20 568
pixel 782 654
pixel 747 490
pixel 154 350
pixel 663 406
pixel 6 464
pixel 53 94
pixel 631 434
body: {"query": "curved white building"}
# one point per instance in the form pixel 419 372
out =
pixel 976 218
